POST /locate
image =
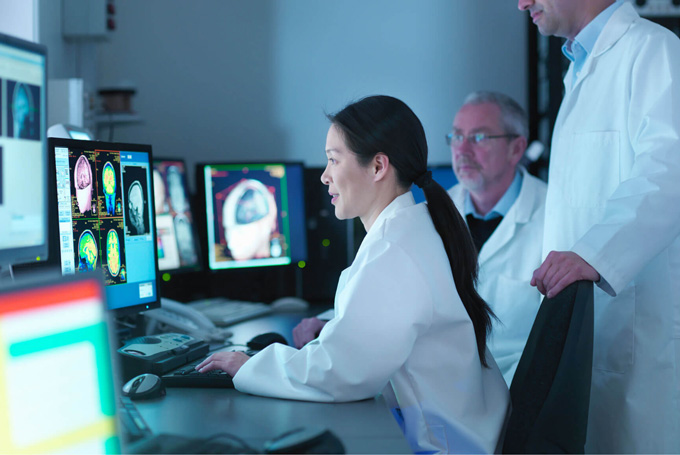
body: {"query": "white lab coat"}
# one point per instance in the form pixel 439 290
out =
pixel 399 325
pixel 506 263
pixel 614 199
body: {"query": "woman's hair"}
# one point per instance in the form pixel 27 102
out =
pixel 382 124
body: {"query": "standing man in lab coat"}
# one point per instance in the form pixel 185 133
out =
pixel 613 213
pixel 504 208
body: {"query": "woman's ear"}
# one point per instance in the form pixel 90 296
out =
pixel 381 165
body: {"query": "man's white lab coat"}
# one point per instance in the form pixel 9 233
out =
pixel 399 323
pixel 506 263
pixel 614 199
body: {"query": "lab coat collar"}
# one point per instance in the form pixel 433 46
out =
pixel 405 200
pixel 615 28
pixel 520 213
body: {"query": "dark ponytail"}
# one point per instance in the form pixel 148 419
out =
pixel 382 124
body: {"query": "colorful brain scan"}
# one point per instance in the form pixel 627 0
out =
pixel 109 178
pixel 113 252
pixel 83 173
pixel 87 251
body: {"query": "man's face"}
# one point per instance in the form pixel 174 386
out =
pixel 564 18
pixel 481 166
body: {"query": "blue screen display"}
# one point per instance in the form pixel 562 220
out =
pixel 106 222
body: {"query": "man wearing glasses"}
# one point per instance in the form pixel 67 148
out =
pixel 503 205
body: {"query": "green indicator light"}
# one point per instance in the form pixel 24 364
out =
pixel 302 264
pixel 325 242
pixel 38 258
pixel 166 277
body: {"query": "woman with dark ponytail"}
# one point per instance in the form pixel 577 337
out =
pixel 408 321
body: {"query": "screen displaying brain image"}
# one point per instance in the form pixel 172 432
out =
pixel 249 220
pixel 111 231
pixel 136 200
pixel 109 183
pixel 23 110
pixel 113 252
pixel 87 252
pixel 82 181
pixel 108 186
pixel 160 205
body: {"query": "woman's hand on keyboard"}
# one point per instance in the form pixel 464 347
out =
pixel 230 362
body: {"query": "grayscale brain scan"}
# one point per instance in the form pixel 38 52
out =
pixel 136 207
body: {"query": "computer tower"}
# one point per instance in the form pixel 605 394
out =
pixel 331 243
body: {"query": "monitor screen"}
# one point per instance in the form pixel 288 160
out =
pixel 56 376
pixel 254 214
pixel 104 197
pixel 23 152
pixel 175 229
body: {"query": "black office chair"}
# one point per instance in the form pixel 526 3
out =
pixel 550 391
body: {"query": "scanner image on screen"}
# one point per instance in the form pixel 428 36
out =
pixel 177 242
pixel 23 110
pixel 23 152
pixel 247 213
pixel 104 224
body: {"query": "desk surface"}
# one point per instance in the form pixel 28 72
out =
pixel 363 427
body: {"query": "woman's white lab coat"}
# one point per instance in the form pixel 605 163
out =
pixel 614 199
pixel 400 324
pixel 506 263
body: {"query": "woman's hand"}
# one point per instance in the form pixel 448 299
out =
pixel 229 362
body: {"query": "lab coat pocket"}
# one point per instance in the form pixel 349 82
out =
pixel 614 339
pixel 593 158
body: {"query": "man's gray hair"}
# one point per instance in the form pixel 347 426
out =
pixel 513 117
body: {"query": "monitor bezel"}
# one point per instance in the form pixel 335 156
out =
pixel 199 267
pixel 35 253
pixel 54 219
pixel 202 210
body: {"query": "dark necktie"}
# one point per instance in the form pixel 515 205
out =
pixel 481 230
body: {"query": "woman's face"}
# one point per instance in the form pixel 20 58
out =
pixel 349 184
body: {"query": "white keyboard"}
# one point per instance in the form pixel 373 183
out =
pixel 224 312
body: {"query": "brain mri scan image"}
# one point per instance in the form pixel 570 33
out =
pixel 113 252
pixel 87 252
pixel 136 207
pixel 109 181
pixel 185 239
pixel 249 220
pixel 82 180
pixel 23 110
pixel 178 199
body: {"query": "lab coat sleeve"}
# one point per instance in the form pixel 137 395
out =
pixel 381 310
pixel 641 217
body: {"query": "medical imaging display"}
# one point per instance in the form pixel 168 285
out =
pixel 111 231
pixel 23 110
pixel 1 176
pixel 136 202
pixel 109 197
pixel 247 214
pixel 177 242
pixel 83 190
pixel 86 245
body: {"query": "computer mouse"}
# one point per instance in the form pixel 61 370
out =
pixel 289 304
pixel 143 387
pixel 305 440
pixel 263 340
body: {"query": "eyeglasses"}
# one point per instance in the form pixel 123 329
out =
pixel 475 138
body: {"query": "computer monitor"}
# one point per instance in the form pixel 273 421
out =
pixel 442 174
pixel 254 214
pixel 104 203
pixel 56 375
pixel 176 232
pixel 23 152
